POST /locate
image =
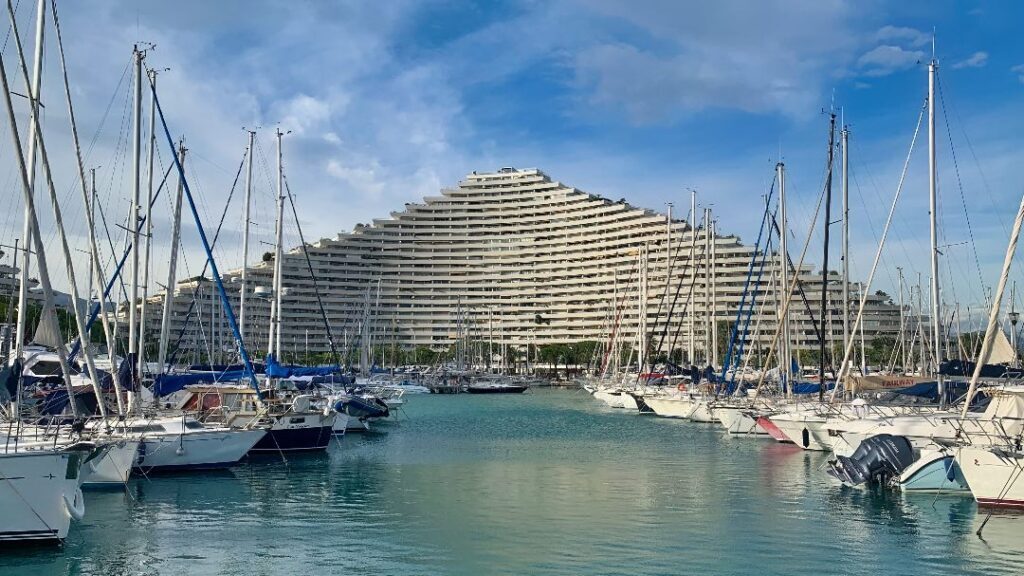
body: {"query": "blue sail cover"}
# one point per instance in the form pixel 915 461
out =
pixel 170 383
pixel 966 369
pixel 810 387
pixel 275 370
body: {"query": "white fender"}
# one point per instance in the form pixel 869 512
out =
pixel 75 504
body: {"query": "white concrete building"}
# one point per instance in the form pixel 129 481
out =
pixel 514 254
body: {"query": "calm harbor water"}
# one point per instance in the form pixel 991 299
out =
pixel 549 482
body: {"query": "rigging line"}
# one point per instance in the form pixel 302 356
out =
pixel 960 186
pixel 997 210
pixel 746 282
pixel 753 302
pixel 172 355
pixel 694 272
pixel 672 306
pixel 312 275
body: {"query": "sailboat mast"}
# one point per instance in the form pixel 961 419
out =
pixel 933 227
pixel 49 310
pixel 693 272
pixel 133 221
pixel 26 234
pixel 824 264
pixel 843 141
pixel 668 274
pixel 165 324
pixel 149 231
pixel 784 349
pixel 279 267
pixel 903 330
pixel 245 237
pixel 712 227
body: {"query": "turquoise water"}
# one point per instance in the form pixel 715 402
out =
pixel 549 482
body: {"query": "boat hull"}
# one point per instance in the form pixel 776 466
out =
pixel 669 407
pixel 994 476
pixel 111 468
pixel 772 430
pixel 736 422
pixel 39 492
pixel 200 450
pixel 496 389
pixel 297 433
pixel 703 412
pixel 934 471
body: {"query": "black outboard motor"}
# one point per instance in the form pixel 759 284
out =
pixel 877 459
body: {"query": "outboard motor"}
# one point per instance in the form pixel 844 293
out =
pixel 877 459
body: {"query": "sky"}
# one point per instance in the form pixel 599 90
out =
pixel 384 103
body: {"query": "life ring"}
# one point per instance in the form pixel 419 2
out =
pixel 75 505
pixel 681 387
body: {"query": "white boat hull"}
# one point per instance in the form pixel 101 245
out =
pixel 703 412
pixel 112 467
pixel 205 449
pixel 612 399
pixel 735 421
pixel 669 407
pixel 39 494
pixel 996 477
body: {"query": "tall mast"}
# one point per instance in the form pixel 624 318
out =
pixel 1014 318
pixel 668 275
pixel 245 237
pixel 273 346
pixel 933 226
pixel 844 138
pixel 49 311
pixel 149 229
pixel 708 302
pixel 165 323
pixel 903 330
pixel 642 312
pixel 712 228
pixel 133 221
pixel 693 272
pixel 26 234
pixel 279 246
pixel 784 350
pixel 37 136
pixel 921 336
pixel 824 264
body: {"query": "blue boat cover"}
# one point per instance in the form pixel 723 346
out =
pixel 275 370
pixel 966 369
pixel 170 383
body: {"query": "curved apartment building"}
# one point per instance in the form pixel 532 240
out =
pixel 517 258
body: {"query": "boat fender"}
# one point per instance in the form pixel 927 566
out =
pixel 75 505
pixel 180 450
pixel 681 387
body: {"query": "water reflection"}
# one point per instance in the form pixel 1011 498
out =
pixel 546 483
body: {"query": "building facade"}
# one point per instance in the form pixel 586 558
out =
pixel 516 258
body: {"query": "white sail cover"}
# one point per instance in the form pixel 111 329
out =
pixel 48 332
pixel 1002 351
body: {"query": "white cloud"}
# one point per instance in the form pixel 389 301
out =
pixel 1019 71
pixel 690 57
pixel 886 59
pixel 903 36
pixel 976 60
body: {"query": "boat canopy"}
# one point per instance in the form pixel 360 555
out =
pixel 276 370
pixel 170 383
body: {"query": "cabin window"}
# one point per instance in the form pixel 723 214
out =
pixel 297 420
pixel 46 368
pixel 146 428
pixel 194 425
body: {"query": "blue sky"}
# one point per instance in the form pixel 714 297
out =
pixel 390 101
